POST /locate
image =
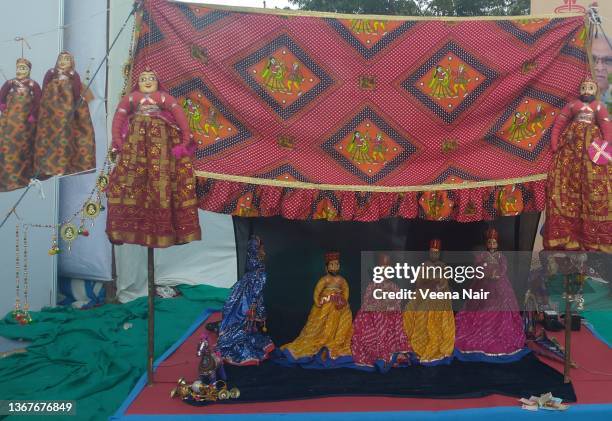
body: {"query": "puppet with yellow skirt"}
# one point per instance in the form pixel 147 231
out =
pixel 326 337
pixel 430 323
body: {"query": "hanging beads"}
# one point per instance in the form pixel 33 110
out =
pixel 17 272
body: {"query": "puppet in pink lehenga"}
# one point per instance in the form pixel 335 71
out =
pixel 378 329
pixel 151 191
pixel 491 329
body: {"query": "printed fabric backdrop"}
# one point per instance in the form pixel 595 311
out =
pixel 346 117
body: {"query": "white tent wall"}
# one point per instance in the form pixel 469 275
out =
pixel 85 37
pixel 26 18
pixel 211 261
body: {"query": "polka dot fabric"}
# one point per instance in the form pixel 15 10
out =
pixel 312 118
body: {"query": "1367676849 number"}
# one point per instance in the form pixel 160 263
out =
pixel 14 407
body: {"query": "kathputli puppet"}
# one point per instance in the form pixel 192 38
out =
pixel 242 332
pixel 578 213
pixel 491 329
pixel 430 323
pixel 151 191
pixel 19 100
pixel 64 142
pixel 326 337
pixel 378 329
pixel 210 367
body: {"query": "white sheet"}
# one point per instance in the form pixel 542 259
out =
pixel 211 261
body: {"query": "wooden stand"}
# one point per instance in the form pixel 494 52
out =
pixel 151 315
pixel 568 331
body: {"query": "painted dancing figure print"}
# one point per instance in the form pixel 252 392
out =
pixel 440 83
pixel 295 79
pixel 519 129
pixel 212 124
pixel 461 80
pixel 274 75
pixel 194 115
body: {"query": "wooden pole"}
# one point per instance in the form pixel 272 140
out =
pixel 151 315
pixel 568 331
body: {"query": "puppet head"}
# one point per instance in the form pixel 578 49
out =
pixel 23 68
pixel 435 245
pixel 588 90
pixel 492 237
pixel 332 262
pixel 65 62
pixel 147 82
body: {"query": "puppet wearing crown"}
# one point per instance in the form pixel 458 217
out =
pixel 378 331
pixel 19 99
pixel 151 191
pixel 64 140
pixel 578 214
pixel 430 323
pixel 327 334
pixel 490 329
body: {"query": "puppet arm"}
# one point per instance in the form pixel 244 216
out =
pixel 3 94
pixel 603 121
pixel 119 120
pixel 184 149
pixel 560 124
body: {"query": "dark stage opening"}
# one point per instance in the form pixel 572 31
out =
pixel 295 255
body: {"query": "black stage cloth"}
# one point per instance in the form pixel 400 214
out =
pixel 272 382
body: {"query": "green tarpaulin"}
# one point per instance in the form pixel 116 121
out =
pixel 95 356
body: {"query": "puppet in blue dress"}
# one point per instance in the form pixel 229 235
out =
pixel 242 337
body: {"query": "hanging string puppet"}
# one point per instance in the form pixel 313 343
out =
pixel 151 191
pixel 64 142
pixel 19 100
pixel 578 208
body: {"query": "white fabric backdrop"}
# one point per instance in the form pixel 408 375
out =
pixel 211 261
pixel 25 18
pixel 85 37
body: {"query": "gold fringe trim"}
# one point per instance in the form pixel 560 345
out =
pixel 315 14
pixel 362 188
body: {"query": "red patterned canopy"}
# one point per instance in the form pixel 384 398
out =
pixel 351 117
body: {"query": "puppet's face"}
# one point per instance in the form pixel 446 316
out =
pixel 147 82
pixel 333 267
pixel 64 62
pixel 588 89
pixel 22 71
pixel 434 255
pixel 492 244
pixel 261 253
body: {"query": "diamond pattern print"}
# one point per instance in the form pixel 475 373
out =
pixel 285 173
pixel 216 129
pixel 454 175
pixel 367 36
pixel 368 147
pixel 449 82
pixel 528 30
pixel 284 76
pixel 524 129
pixel 149 32
pixel 201 17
